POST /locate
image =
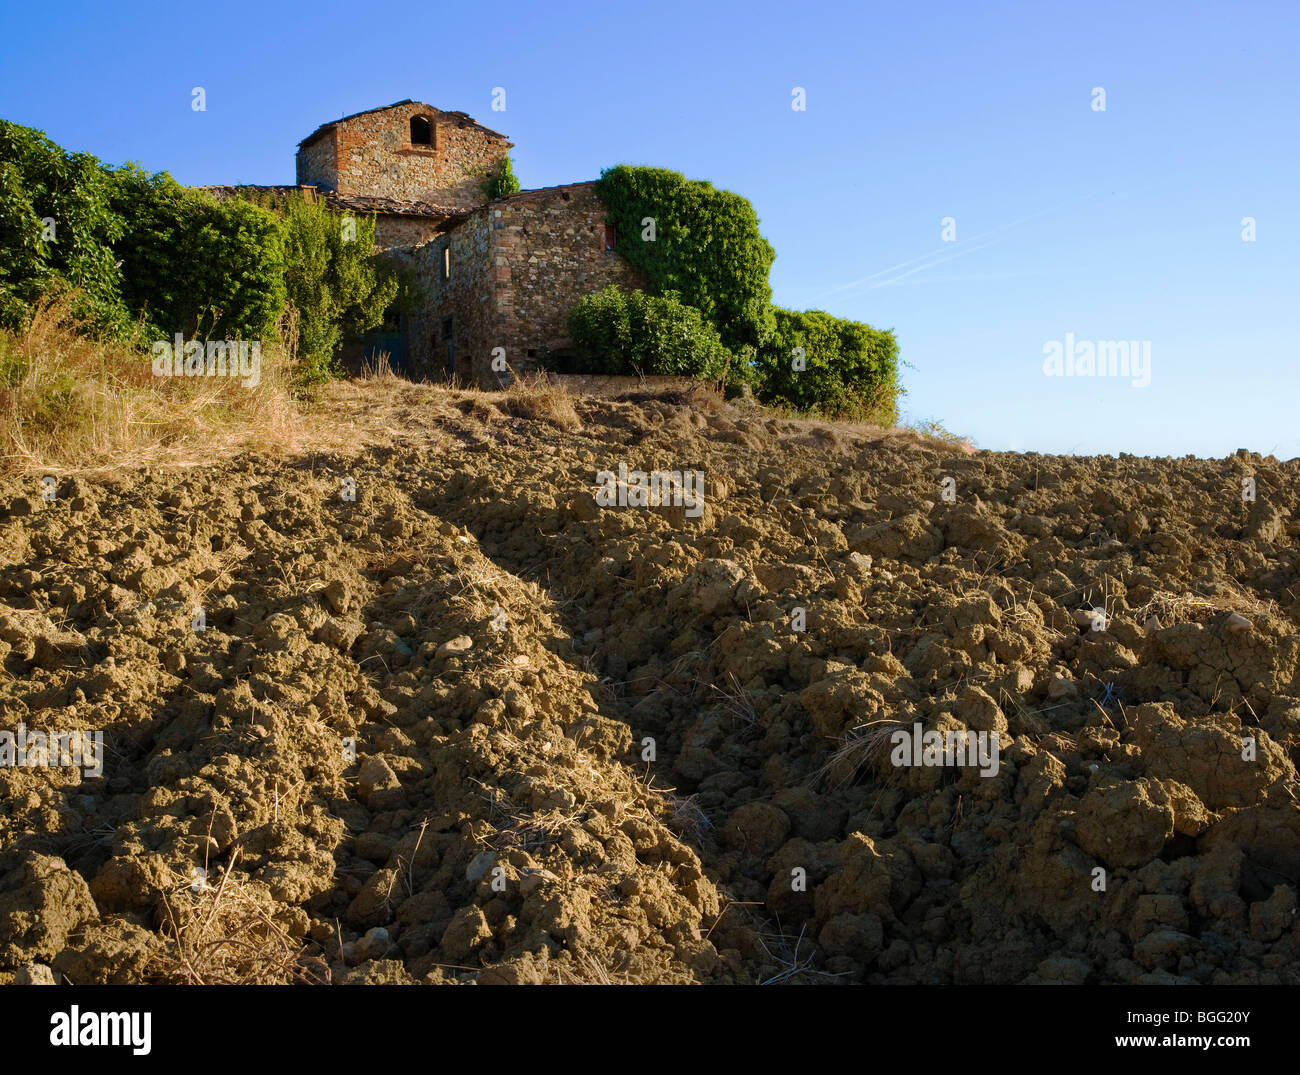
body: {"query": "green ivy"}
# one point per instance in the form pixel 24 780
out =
pixel 702 245
pixel 706 247
pixel 340 290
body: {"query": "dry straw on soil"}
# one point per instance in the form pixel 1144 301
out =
pixel 862 746
pixel 1172 608
pixel 225 934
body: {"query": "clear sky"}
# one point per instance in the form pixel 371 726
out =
pixel 1115 225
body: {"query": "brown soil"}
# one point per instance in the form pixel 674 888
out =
pixel 410 745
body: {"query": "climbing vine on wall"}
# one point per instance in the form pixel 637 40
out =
pixel 702 245
pixel 688 237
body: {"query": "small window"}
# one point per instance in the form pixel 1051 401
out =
pixel 609 236
pixel 446 262
pixel 421 131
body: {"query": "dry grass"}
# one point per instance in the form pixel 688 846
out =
pixel 540 399
pixel 699 396
pixel 1170 608
pixel 225 934
pixel 482 588
pixel 864 745
pixel 1021 720
pixel 933 433
pixel 378 369
pixel 71 403
pixel 843 436
pixel 586 969
pixel 737 702
pixel 688 819
pixel 795 968
pixel 531 831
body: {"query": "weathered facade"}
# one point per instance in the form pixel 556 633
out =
pixel 549 249
pixel 407 152
pixel 505 277
pixel 501 274
pixel 495 279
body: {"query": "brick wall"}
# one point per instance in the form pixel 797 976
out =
pixel 372 155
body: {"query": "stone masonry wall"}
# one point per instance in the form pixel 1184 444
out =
pixel 317 163
pixel 398 236
pixel 464 297
pixel 548 251
pixel 373 156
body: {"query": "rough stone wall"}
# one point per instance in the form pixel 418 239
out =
pixel 317 163
pixel 548 251
pixel 464 297
pixel 373 156
pixel 398 236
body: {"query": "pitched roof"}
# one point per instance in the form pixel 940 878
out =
pixel 222 191
pixel 447 216
pixel 529 195
pixel 392 207
pixel 537 192
pixel 463 120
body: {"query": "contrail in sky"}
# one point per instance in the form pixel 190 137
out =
pixel 939 256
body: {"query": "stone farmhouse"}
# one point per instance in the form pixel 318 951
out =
pixel 494 274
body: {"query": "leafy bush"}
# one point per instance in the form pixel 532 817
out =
pixel 127 245
pixel 706 248
pixel 850 369
pixel 338 288
pixel 39 182
pixel 194 265
pixel 617 332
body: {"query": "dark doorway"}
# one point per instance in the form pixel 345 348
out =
pixel 421 131
pixel 392 344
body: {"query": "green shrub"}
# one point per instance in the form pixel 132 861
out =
pixel 135 246
pixel 340 290
pixel 502 182
pixel 850 369
pixel 617 332
pixel 706 247
pixel 194 265
pixel 40 181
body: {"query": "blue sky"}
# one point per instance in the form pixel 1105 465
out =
pixel 1123 224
